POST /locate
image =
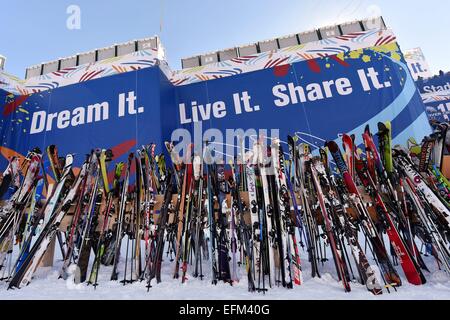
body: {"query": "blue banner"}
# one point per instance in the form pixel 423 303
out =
pixel 439 110
pixel 316 100
pixel 436 84
pixel 121 113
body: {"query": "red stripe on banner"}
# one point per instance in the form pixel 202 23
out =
pixel 84 76
pixel 377 42
pixel 281 70
pixel 95 74
pixel 380 41
pixel 314 66
pixel 62 72
pixel 13 105
pixel 384 41
pixel 123 148
pixel 89 77
pixel 348 37
pixel 389 40
pixel 354 35
pixel 245 58
pixel 279 63
pixel 270 63
pixel 340 61
pixel 118 151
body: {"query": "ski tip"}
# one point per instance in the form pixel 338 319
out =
pixel 290 140
pixel 332 146
pixel 109 155
pixel 324 154
pixel 346 139
pixel 382 128
pixel 168 145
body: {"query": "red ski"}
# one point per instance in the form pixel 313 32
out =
pixel 409 266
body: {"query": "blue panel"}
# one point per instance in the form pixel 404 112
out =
pixel 334 96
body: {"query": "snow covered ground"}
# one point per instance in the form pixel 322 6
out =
pixel 46 285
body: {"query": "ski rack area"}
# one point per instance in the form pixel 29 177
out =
pixel 379 215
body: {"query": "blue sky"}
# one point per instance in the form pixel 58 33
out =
pixel 35 31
